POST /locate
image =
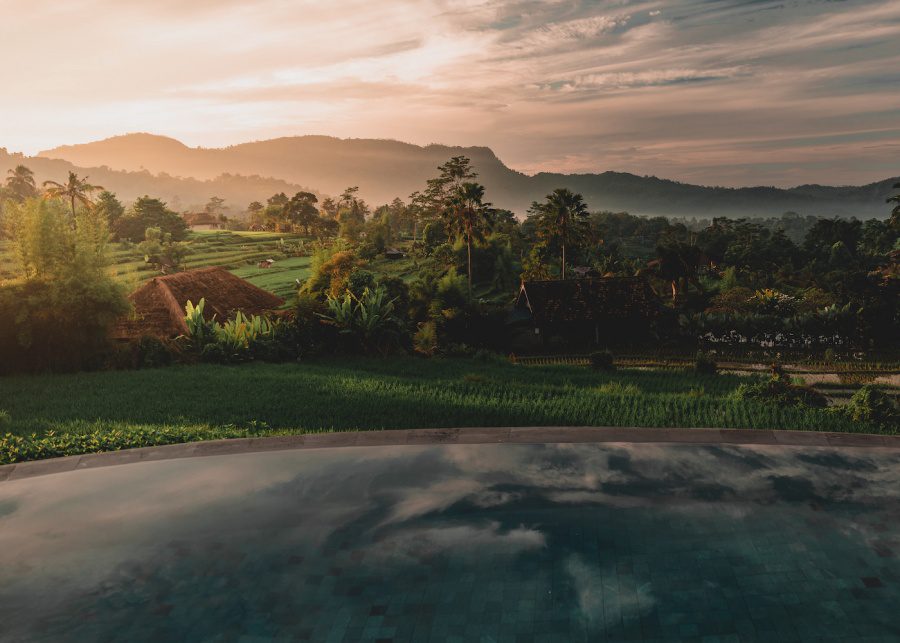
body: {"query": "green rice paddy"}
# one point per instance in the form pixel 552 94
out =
pixel 403 392
pixel 239 252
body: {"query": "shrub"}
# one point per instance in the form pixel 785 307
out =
pixel 61 324
pixel 871 404
pixel 425 340
pixel 305 334
pixel 367 320
pixel 151 352
pixel 332 276
pixel 780 391
pixel 215 353
pixel 602 361
pixel 17 448
pixel 704 364
pixel 359 281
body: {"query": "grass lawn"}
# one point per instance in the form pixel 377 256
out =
pixel 396 393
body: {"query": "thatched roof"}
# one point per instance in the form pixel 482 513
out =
pixel 582 300
pixel 159 303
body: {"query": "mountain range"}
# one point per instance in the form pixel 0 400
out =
pixel 384 169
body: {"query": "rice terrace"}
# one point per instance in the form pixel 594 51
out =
pixel 497 321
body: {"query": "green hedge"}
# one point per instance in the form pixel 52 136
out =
pixel 18 448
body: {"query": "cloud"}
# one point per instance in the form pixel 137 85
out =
pixel 630 600
pixel 641 86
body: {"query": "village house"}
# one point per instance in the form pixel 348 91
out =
pixel 202 221
pixel 159 303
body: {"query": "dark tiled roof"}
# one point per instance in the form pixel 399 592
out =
pixel 579 300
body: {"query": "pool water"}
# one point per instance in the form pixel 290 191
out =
pixel 487 542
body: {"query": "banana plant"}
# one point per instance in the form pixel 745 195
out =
pixel 239 333
pixel 370 317
pixel 200 331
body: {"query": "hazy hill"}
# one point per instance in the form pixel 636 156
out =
pixel 180 193
pixel 384 169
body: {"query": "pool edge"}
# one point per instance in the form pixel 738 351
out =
pixel 470 435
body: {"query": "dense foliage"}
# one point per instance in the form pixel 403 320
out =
pixel 436 276
pixel 60 309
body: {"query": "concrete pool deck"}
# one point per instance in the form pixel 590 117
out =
pixel 485 435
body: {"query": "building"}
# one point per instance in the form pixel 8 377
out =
pixel 607 310
pixel 202 221
pixel 159 303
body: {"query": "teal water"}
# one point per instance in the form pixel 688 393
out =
pixel 460 543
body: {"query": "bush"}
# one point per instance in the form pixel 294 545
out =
pixel 425 340
pixel 871 404
pixel 305 334
pixel 704 364
pixel 602 361
pixel 17 448
pixel 359 281
pixel 215 353
pixel 151 352
pixel 331 276
pixel 779 390
pixel 61 324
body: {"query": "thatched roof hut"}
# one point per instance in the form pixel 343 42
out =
pixel 159 303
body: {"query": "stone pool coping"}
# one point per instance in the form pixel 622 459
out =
pixel 486 435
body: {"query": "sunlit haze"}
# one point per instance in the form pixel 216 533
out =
pixel 727 92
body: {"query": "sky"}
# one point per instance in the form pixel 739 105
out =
pixel 717 92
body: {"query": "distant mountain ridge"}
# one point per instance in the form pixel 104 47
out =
pixel 384 169
pixel 181 194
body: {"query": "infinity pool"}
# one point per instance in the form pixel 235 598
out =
pixel 487 542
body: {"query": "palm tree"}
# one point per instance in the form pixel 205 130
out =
pixel 678 264
pixel 895 213
pixel 74 189
pixel 562 215
pixel 21 182
pixel 466 213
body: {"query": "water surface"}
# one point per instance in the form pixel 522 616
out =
pixel 487 542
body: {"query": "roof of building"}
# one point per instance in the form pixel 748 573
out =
pixel 159 303
pixel 579 300
pixel 200 218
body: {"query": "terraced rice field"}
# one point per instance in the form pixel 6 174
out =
pixel 240 252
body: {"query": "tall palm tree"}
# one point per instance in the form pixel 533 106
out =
pixel 563 215
pixel 894 221
pixel 466 213
pixel 21 182
pixel 678 264
pixel 74 189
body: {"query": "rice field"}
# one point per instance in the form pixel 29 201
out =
pixel 239 252
pixel 371 394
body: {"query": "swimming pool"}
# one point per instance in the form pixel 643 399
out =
pixel 482 542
